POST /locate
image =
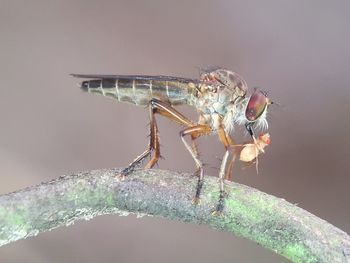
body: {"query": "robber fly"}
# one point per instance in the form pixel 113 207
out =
pixel 219 96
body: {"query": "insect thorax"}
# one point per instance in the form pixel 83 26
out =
pixel 219 98
pixel 218 106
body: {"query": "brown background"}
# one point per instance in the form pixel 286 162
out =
pixel 296 50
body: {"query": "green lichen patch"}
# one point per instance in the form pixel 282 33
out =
pixel 299 253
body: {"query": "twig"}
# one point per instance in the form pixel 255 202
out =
pixel 270 221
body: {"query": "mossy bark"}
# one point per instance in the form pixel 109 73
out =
pixel 270 221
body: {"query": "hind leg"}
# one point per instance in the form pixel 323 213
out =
pixel 164 109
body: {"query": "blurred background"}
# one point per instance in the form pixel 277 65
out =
pixel 298 51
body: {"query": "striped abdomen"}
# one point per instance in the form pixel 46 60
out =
pixel 141 91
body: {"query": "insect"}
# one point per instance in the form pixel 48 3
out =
pixel 219 96
pixel 250 152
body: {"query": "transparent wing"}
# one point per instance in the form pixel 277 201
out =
pixel 136 77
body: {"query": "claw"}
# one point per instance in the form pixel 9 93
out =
pixel 196 200
pixel 217 212
pixel 120 177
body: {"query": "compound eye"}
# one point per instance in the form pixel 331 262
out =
pixel 256 106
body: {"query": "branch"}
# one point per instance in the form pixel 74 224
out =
pixel 270 221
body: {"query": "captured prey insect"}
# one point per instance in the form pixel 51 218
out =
pixel 219 97
pixel 249 152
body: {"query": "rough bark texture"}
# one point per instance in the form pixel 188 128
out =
pixel 272 222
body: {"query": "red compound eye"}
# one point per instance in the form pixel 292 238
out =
pixel 256 106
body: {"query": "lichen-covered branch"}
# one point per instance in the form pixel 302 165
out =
pixel 272 222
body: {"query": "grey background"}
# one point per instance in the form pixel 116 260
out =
pixel 296 50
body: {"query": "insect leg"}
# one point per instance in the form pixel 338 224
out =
pixel 195 132
pixel 154 138
pixel 153 145
pixel 225 170
pixel 164 109
pixel 167 111
pixel 229 144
